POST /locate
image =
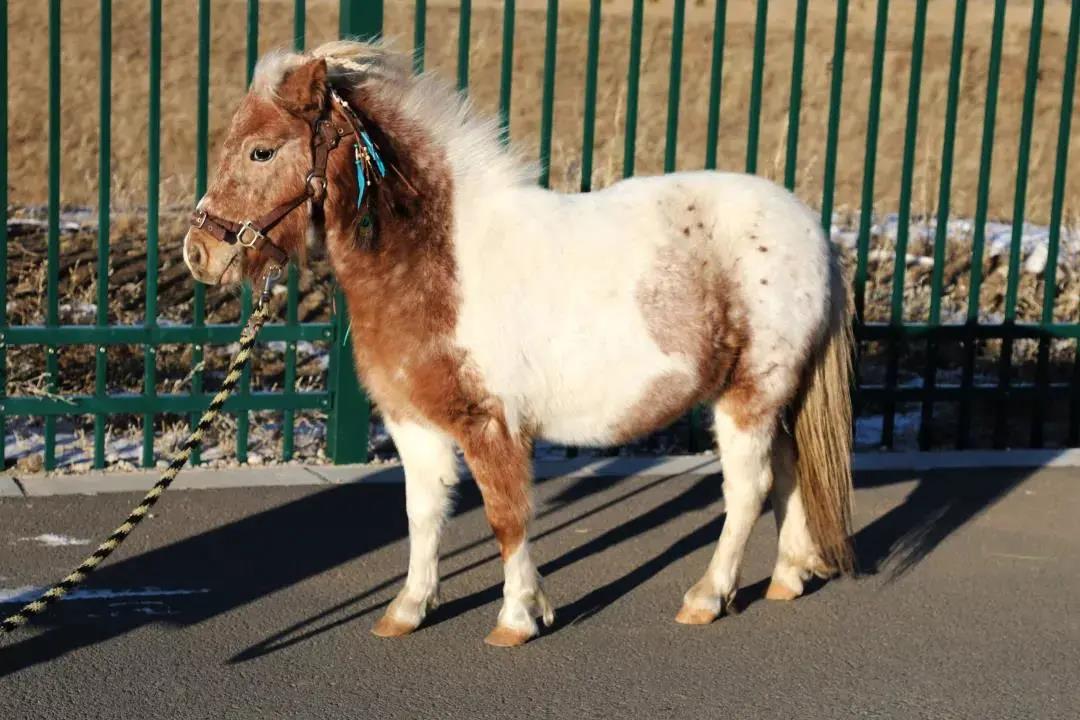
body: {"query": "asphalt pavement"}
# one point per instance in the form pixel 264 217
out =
pixel 258 601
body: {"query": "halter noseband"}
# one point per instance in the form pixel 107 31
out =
pixel 325 137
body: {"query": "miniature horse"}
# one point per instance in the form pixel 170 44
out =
pixel 486 312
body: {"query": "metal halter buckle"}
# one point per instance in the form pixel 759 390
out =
pixel 199 220
pixel 256 236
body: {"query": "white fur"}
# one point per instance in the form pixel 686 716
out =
pixel 745 458
pixel 430 474
pixel 523 598
pixel 544 275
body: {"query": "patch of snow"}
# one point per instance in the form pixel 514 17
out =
pixel 26 593
pixel 905 431
pixel 56 540
pixel 1033 239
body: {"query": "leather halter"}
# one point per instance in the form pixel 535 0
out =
pixel 253 233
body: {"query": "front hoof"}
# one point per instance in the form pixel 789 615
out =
pixel 503 636
pixel 694 616
pixel 390 626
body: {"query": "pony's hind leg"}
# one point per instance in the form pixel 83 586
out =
pixel 500 461
pixel 797 555
pixel 430 474
pixel 745 457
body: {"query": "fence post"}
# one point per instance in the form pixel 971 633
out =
pixel 350 412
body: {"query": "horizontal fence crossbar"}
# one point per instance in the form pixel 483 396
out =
pixel 139 404
pixel 158 335
pixel 874 332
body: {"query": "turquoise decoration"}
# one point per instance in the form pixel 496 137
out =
pixel 361 180
pixel 372 153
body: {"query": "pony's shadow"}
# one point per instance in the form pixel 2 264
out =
pixel 259 555
pixel 941 502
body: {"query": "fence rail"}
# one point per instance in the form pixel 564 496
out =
pixel 342 399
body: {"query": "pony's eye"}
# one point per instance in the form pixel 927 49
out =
pixel 262 154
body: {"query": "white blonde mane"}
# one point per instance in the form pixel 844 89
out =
pixel 473 141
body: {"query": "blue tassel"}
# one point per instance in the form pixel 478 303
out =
pixel 361 180
pixel 374 155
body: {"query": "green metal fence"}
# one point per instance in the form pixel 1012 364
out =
pixel 345 404
pixel 348 412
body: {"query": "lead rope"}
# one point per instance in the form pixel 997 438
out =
pixel 106 548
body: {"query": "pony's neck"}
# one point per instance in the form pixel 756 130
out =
pixel 412 209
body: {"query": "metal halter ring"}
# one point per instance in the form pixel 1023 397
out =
pixel 256 236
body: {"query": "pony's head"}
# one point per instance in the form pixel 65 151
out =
pixel 270 177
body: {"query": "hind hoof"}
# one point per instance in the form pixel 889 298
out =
pixel 507 637
pixel 779 591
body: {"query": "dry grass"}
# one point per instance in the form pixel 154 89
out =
pixel 28 93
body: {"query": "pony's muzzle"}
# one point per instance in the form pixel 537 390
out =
pixel 210 262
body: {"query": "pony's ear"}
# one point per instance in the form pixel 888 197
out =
pixel 302 91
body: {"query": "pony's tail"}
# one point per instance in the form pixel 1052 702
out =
pixel 823 433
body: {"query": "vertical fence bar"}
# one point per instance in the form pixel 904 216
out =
pixel 716 73
pixel 671 143
pixel 506 77
pixel 252 38
pixel 592 61
pixel 464 31
pixel 907 170
pixel 153 173
pixel 791 156
pixel 104 176
pixel 202 140
pixel 52 312
pixel 360 18
pixel 937 275
pixel 873 115
pixel 349 420
pixel 978 242
pixel 243 417
pixel 760 28
pixel 633 83
pixel 292 285
pixel 547 103
pixel 1012 282
pixel 1057 205
pixel 1073 438
pixel 419 35
pixel 3 230
pixel 835 99
pixel 300 24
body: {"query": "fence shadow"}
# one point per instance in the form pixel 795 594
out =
pixel 256 556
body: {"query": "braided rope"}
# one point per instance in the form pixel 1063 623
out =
pixel 106 548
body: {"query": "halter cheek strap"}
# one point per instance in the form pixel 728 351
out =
pixel 325 137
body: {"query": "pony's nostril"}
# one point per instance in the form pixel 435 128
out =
pixel 195 253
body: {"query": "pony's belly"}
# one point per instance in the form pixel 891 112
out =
pixel 615 404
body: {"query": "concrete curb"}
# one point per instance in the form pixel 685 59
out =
pixel 8 487
pixel 34 485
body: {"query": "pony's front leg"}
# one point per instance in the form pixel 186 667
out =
pixel 500 463
pixel 430 474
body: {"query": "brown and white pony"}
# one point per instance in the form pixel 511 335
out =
pixel 487 312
